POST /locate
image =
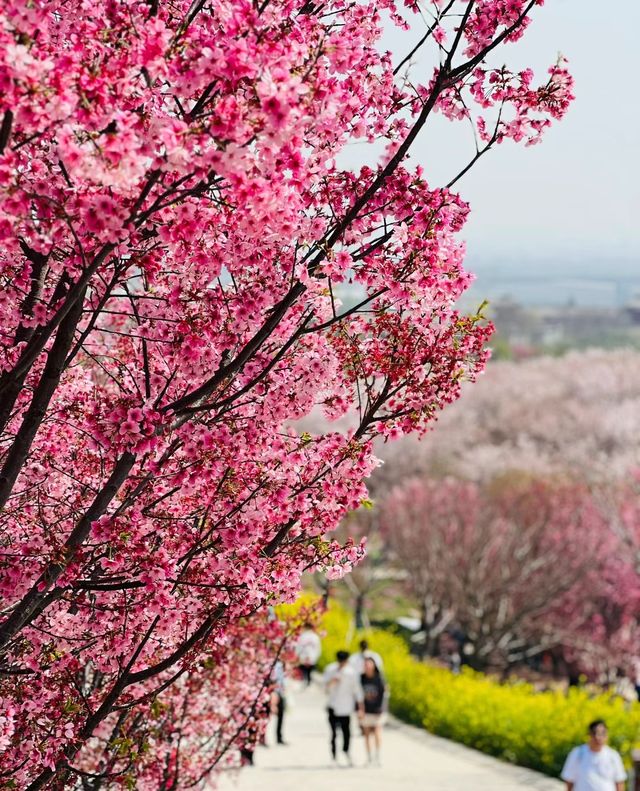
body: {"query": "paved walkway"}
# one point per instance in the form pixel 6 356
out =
pixel 411 760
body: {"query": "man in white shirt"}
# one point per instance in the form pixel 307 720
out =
pixel 594 766
pixel 356 661
pixel 344 694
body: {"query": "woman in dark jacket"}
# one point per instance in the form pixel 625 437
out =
pixel 375 691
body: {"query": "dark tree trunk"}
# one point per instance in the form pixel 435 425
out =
pixel 359 610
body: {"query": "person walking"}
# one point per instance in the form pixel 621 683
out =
pixel 344 695
pixel 278 698
pixel 594 766
pixel 357 660
pixel 636 676
pixel 374 692
pixel 307 650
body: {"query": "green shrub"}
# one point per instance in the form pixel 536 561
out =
pixel 511 721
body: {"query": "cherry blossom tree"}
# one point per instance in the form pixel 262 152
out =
pixel 174 228
pixel 177 738
pixel 518 566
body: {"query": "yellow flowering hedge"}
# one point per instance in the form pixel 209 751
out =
pixel 511 721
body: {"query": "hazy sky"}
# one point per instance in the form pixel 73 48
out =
pixel 577 193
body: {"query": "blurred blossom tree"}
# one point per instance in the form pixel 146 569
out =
pixel 519 566
pixel 174 226
pixel 576 415
pixel 373 574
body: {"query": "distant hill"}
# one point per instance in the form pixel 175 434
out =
pixel 597 281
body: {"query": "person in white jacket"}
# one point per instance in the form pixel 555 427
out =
pixel 344 696
pixel 594 766
pixel 307 649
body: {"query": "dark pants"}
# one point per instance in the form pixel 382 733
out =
pixel 344 723
pixel 246 756
pixel 280 718
pixel 305 671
